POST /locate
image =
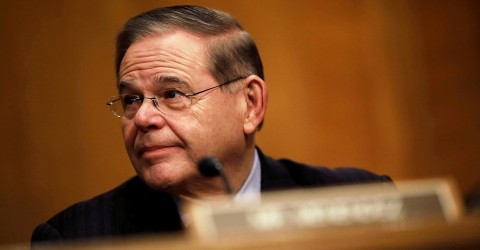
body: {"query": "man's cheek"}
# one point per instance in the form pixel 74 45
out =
pixel 129 140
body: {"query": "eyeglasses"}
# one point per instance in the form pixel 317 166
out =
pixel 170 101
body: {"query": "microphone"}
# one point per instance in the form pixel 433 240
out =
pixel 211 167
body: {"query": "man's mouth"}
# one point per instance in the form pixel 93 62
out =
pixel 155 151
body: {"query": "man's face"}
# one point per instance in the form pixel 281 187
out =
pixel 164 149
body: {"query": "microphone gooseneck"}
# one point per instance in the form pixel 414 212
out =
pixel 211 167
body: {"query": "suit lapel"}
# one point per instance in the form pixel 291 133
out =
pixel 274 174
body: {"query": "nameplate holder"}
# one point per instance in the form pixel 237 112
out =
pixel 327 207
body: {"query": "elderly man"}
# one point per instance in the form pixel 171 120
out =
pixel 191 85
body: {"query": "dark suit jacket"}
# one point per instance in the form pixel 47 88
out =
pixel 134 208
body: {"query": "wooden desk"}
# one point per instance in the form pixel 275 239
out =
pixel 464 234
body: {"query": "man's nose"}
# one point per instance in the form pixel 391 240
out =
pixel 148 115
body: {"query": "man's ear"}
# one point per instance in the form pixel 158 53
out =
pixel 256 97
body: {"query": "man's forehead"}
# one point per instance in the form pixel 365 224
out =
pixel 174 49
pixel 175 39
pixel 160 79
pixel 177 45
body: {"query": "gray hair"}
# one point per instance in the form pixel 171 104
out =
pixel 230 53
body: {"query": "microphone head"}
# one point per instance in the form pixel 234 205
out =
pixel 210 167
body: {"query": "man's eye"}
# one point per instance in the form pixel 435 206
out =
pixel 171 93
pixel 130 99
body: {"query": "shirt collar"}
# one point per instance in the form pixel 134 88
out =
pixel 251 187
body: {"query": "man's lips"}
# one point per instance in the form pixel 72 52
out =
pixel 154 150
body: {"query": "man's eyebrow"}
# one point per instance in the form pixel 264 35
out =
pixel 158 79
pixel 170 79
pixel 123 84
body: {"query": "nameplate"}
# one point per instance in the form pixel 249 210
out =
pixel 328 207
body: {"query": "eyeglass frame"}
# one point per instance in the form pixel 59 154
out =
pixel 154 98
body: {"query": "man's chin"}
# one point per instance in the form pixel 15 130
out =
pixel 158 180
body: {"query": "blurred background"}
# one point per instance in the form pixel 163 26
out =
pixel 389 86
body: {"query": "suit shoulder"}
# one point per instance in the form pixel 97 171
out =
pixel 320 175
pixel 98 201
pixel 131 208
pixel 284 173
pixel 87 218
